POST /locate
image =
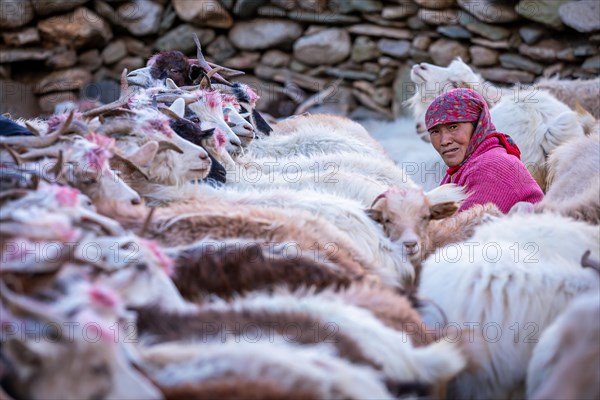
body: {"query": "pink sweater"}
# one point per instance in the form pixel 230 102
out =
pixel 492 175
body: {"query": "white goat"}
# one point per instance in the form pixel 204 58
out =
pixel 504 286
pixel 535 119
pixel 564 364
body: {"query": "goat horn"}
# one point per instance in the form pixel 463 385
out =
pixel 32 128
pixel 106 107
pixel 38 141
pixel 13 193
pixel 130 164
pixel 57 169
pixel 228 71
pixel 163 145
pixel 24 305
pixel 147 221
pixel 203 63
pixel 39 153
pixel 124 84
pixel 117 125
pixel 168 112
pixel 588 262
pixel 110 226
pixel 13 154
pixel 381 196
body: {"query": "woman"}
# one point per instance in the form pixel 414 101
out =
pixel 484 161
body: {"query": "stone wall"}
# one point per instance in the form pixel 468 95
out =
pixel 291 50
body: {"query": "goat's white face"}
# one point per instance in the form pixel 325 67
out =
pixel 238 122
pixel 141 77
pixel 90 173
pixel 76 361
pixel 405 215
pixel 209 110
pixel 165 165
pixel 433 81
pixel 137 269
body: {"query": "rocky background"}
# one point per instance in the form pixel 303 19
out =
pixel 291 50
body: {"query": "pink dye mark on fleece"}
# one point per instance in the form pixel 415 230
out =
pixel 251 94
pixel 159 124
pixel 229 98
pixel 220 137
pixel 103 297
pixel 213 99
pixel 165 262
pixel 66 196
pixel 57 120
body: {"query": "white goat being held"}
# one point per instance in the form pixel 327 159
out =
pixel 535 119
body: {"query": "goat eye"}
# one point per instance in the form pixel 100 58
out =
pixel 195 120
pixel 387 221
pixel 426 217
pixel 141 267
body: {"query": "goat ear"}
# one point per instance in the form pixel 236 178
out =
pixel 375 215
pixel 145 154
pixel 178 107
pixel 171 84
pixel 443 210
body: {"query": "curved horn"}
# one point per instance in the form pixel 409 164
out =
pixel 32 128
pixel 381 196
pixel 147 222
pixel 227 71
pixel 202 61
pixel 130 164
pixel 106 107
pixel 124 84
pixel 38 141
pixel 57 169
pixel 168 112
pixel 117 125
pixel 24 305
pixel 110 226
pixel 13 154
pixel 588 262
pixel 163 145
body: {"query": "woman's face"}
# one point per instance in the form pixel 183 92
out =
pixel 451 141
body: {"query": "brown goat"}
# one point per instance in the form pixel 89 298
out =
pixel 231 268
pixel 186 223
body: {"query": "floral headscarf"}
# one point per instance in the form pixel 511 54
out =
pixel 466 105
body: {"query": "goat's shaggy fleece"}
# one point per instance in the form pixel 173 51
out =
pixel 571 92
pixel 564 364
pixel 260 370
pixel 511 280
pixel 574 180
pixel 186 223
pixel 313 135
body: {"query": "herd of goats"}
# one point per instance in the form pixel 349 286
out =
pixel 174 244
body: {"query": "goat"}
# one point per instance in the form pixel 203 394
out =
pixel 568 352
pixel 430 364
pixel 149 145
pixel 535 119
pixel 316 134
pixel 183 223
pixel 257 370
pixel 573 92
pixel 407 216
pixel 511 275
pixel 234 267
pixel 574 180
pixel 68 366
pixel 345 214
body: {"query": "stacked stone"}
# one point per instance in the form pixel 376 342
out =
pixel 291 50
